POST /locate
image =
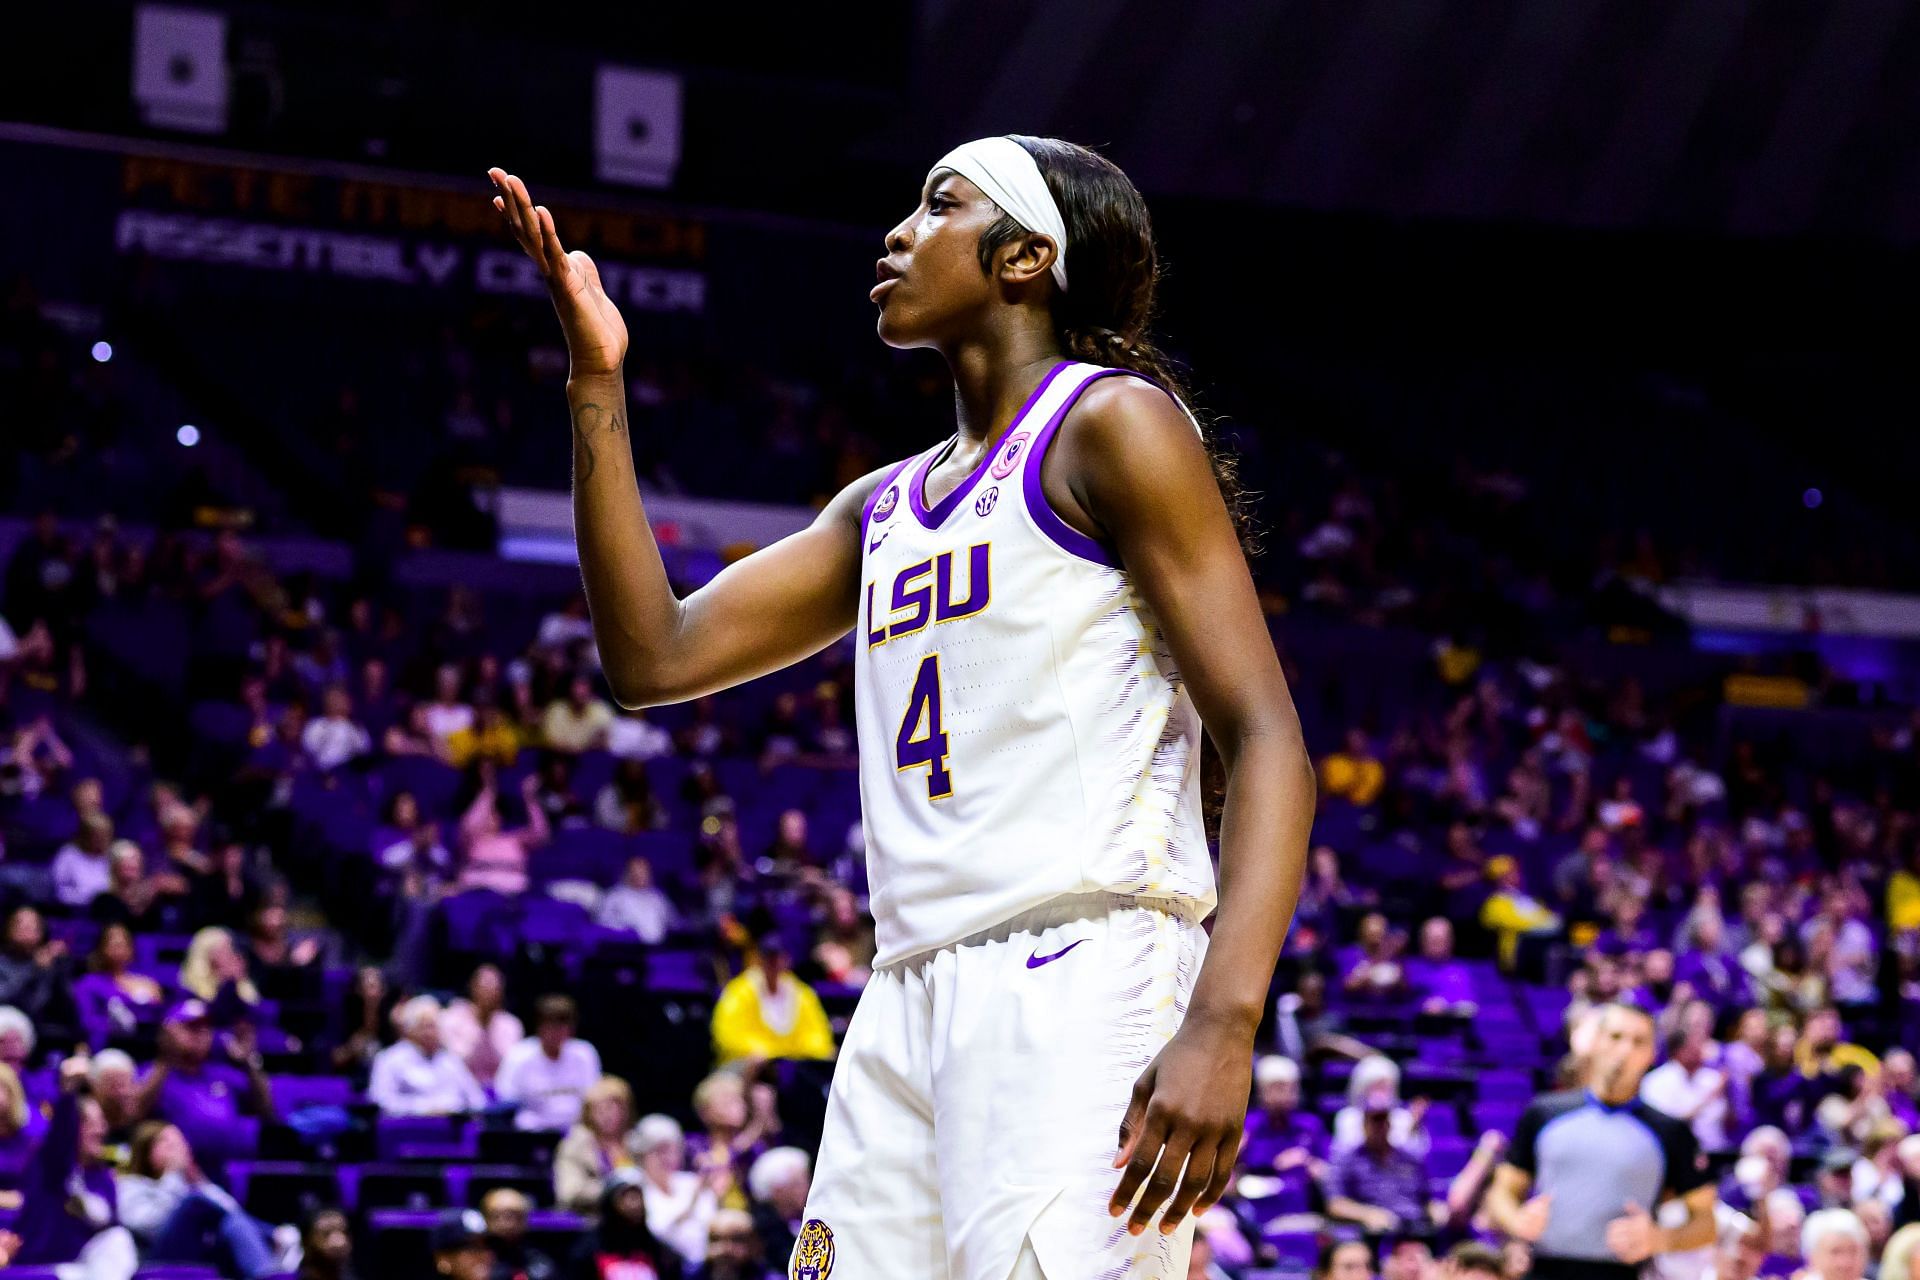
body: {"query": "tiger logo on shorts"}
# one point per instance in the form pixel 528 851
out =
pixel 813 1253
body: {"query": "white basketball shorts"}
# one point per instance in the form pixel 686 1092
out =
pixel 977 1100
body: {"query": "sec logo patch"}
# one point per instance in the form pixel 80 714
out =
pixel 813 1252
pixel 984 506
pixel 1010 455
pixel 888 501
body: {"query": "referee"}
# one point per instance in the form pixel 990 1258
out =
pixel 1597 1163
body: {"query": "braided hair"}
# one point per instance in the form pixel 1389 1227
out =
pixel 1104 317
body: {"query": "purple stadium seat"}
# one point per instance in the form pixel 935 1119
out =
pixel 424 1138
pixel 290 1093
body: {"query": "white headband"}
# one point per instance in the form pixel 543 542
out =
pixel 1008 174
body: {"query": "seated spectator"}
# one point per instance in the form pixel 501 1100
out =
pixel 416 1076
pixel 1690 1091
pixel 787 857
pixel 494 857
pixel 420 852
pixel 274 953
pixel 734 1250
pixel 368 1023
pixel 205 1098
pixel 1324 894
pixel 506 1212
pixel 36 975
pixel 779 1182
pixel 413 735
pixel 594 1147
pixel 1834 1243
pixel 1706 963
pixel 460 1248
pixel 550 1071
pixel 1279 1135
pixel 632 736
pixel 227 894
pixel 1510 912
pixel 114 1000
pixel 1406 1257
pixel 1765 1156
pixel 334 738
pixel 1376 1079
pixel 782 736
pixel 445 714
pixel 477 1029
pixel 133 898
pixel 1343 1260
pixel 627 804
pixel 766 1012
pixel 216 971
pixel 846 946
pixel 81 871
pixel 620 1243
pixel 636 906
pixel 179 846
pixel 1784 1215
pixel 177 1214
pixel 69 1208
pixel 1439 980
pixel 579 722
pixel 1353 773
pixel 1897 1085
pixel 680 1202
pixel 34 757
pixel 736 1122
pixel 21 1124
pixel 1823 1052
pixel 1377 974
pixel 17 1039
pixel 555 794
pixel 326 1247
pixel 1377 1184
pixel 492 736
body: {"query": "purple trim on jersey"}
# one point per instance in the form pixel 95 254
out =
pixel 866 511
pixel 916 484
pixel 1045 517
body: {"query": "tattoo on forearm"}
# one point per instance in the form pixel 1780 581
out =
pixel 588 420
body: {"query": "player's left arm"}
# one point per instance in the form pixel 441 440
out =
pixel 1129 464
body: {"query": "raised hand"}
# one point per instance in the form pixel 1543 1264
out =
pixel 596 335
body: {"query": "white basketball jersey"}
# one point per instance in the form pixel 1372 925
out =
pixel 1023 731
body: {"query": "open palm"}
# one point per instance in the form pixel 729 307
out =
pixel 596 335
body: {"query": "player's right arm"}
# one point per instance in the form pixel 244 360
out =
pixel 764 612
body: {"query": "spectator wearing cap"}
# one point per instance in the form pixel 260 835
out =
pixel 621 1244
pixel 594 1147
pixel 1378 1185
pixel 550 1071
pixel 507 1213
pixel 766 1012
pixel 459 1244
pixel 1834 1243
pixel 779 1182
pixel 1598 1163
pixel 204 1098
pixel 417 1076
pixel 1279 1136
pixel 680 1203
pixel 734 1250
pixel 326 1246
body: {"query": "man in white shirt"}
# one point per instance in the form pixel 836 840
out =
pixel 1690 1091
pixel 81 871
pixel 550 1071
pixel 636 905
pixel 417 1077
pixel 332 738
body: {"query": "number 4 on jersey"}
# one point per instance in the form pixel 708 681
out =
pixel 921 741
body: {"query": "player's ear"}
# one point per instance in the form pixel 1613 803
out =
pixel 1027 258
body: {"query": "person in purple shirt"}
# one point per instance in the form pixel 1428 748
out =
pixel 1438 980
pixel 68 1210
pixel 203 1098
pixel 1279 1136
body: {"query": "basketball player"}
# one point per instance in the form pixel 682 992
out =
pixel 1043 1080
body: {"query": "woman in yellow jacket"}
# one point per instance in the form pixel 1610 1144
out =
pixel 766 1012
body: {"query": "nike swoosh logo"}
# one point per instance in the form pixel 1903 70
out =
pixel 1035 960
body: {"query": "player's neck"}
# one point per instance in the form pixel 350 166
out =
pixel 993 378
